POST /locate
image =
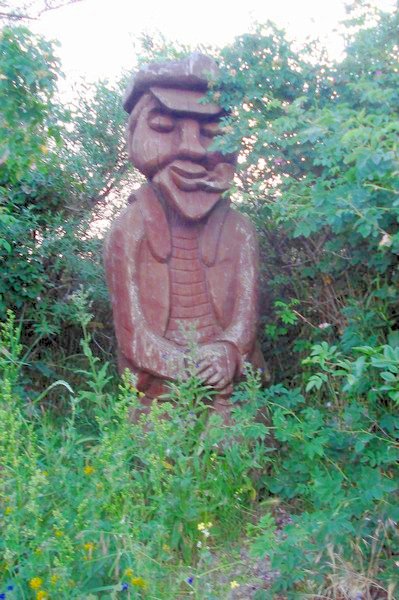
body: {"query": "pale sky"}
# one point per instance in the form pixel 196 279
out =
pixel 97 35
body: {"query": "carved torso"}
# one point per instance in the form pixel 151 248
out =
pixel 191 311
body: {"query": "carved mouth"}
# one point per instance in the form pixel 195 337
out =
pixel 189 170
pixel 189 176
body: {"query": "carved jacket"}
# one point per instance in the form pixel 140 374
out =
pixel 137 252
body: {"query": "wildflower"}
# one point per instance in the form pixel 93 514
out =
pixel 204 528
pixel 199 544
pixel 125 587
pixel 41 595
pixel 10 588
pixel 8 510
pixel 58 533
pixel 324 325
pixel 166 548
pixel 139 582
pixel 129 572
pixel 36 583
pixel 54 579
pixel 88 546
pixel 167 464
pixel 190 580
pixel 88 470
pixel 2 596
pixel 234 584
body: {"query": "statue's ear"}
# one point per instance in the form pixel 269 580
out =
pixel 155 223
pixel 209 242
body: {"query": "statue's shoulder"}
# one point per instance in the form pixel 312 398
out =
pixel 145 217
pixel 134 214
pixel 239 223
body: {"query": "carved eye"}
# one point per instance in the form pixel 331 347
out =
pixel 161 122
pixel 210 129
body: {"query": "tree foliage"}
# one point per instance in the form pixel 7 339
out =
pixel 319 174
pixel 58 167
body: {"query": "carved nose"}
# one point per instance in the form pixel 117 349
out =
pixel 190 145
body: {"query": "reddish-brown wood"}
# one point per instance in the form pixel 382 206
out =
pixel 179 260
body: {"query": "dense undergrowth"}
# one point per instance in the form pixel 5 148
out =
pixel 305 483
pixel 95 506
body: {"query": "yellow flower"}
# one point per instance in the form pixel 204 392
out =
pixel 88 546
pixel 139 582
pixel 166 548
pixel 58 533
pixel 129 572
pixel 38 551
pixel 41 595
pixel 8 510
pixel 141 394
pixel 234 584
pixel 36 583
pixel 204 526
pixel 88 470
pixel 44 149
pixel 54 579
pixel 167 464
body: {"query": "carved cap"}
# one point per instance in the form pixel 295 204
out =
pixel 191 73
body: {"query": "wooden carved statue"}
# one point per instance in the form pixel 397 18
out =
pixel 179 258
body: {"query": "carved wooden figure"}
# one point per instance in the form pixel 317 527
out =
pixel 179 258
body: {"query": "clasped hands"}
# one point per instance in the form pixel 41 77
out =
pixel 217 364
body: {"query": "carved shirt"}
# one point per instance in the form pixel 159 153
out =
pixel 191 313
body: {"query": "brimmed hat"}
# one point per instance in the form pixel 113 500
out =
pixel 191 73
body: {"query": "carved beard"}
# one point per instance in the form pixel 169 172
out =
pixel 192 190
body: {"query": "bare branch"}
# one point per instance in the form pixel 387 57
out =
pixel 50 6
pixel 33 15
pixel 16 16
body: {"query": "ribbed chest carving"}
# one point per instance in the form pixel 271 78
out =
pixel 190 304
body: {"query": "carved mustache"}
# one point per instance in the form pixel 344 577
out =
pixel 195 176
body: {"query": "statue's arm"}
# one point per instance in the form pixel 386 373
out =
pixel 241 331
pixel 138 343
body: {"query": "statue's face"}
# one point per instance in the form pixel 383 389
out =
pixel 170 145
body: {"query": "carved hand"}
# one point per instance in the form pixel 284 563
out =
pixel 217 364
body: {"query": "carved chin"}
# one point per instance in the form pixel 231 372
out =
pixel 192 204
